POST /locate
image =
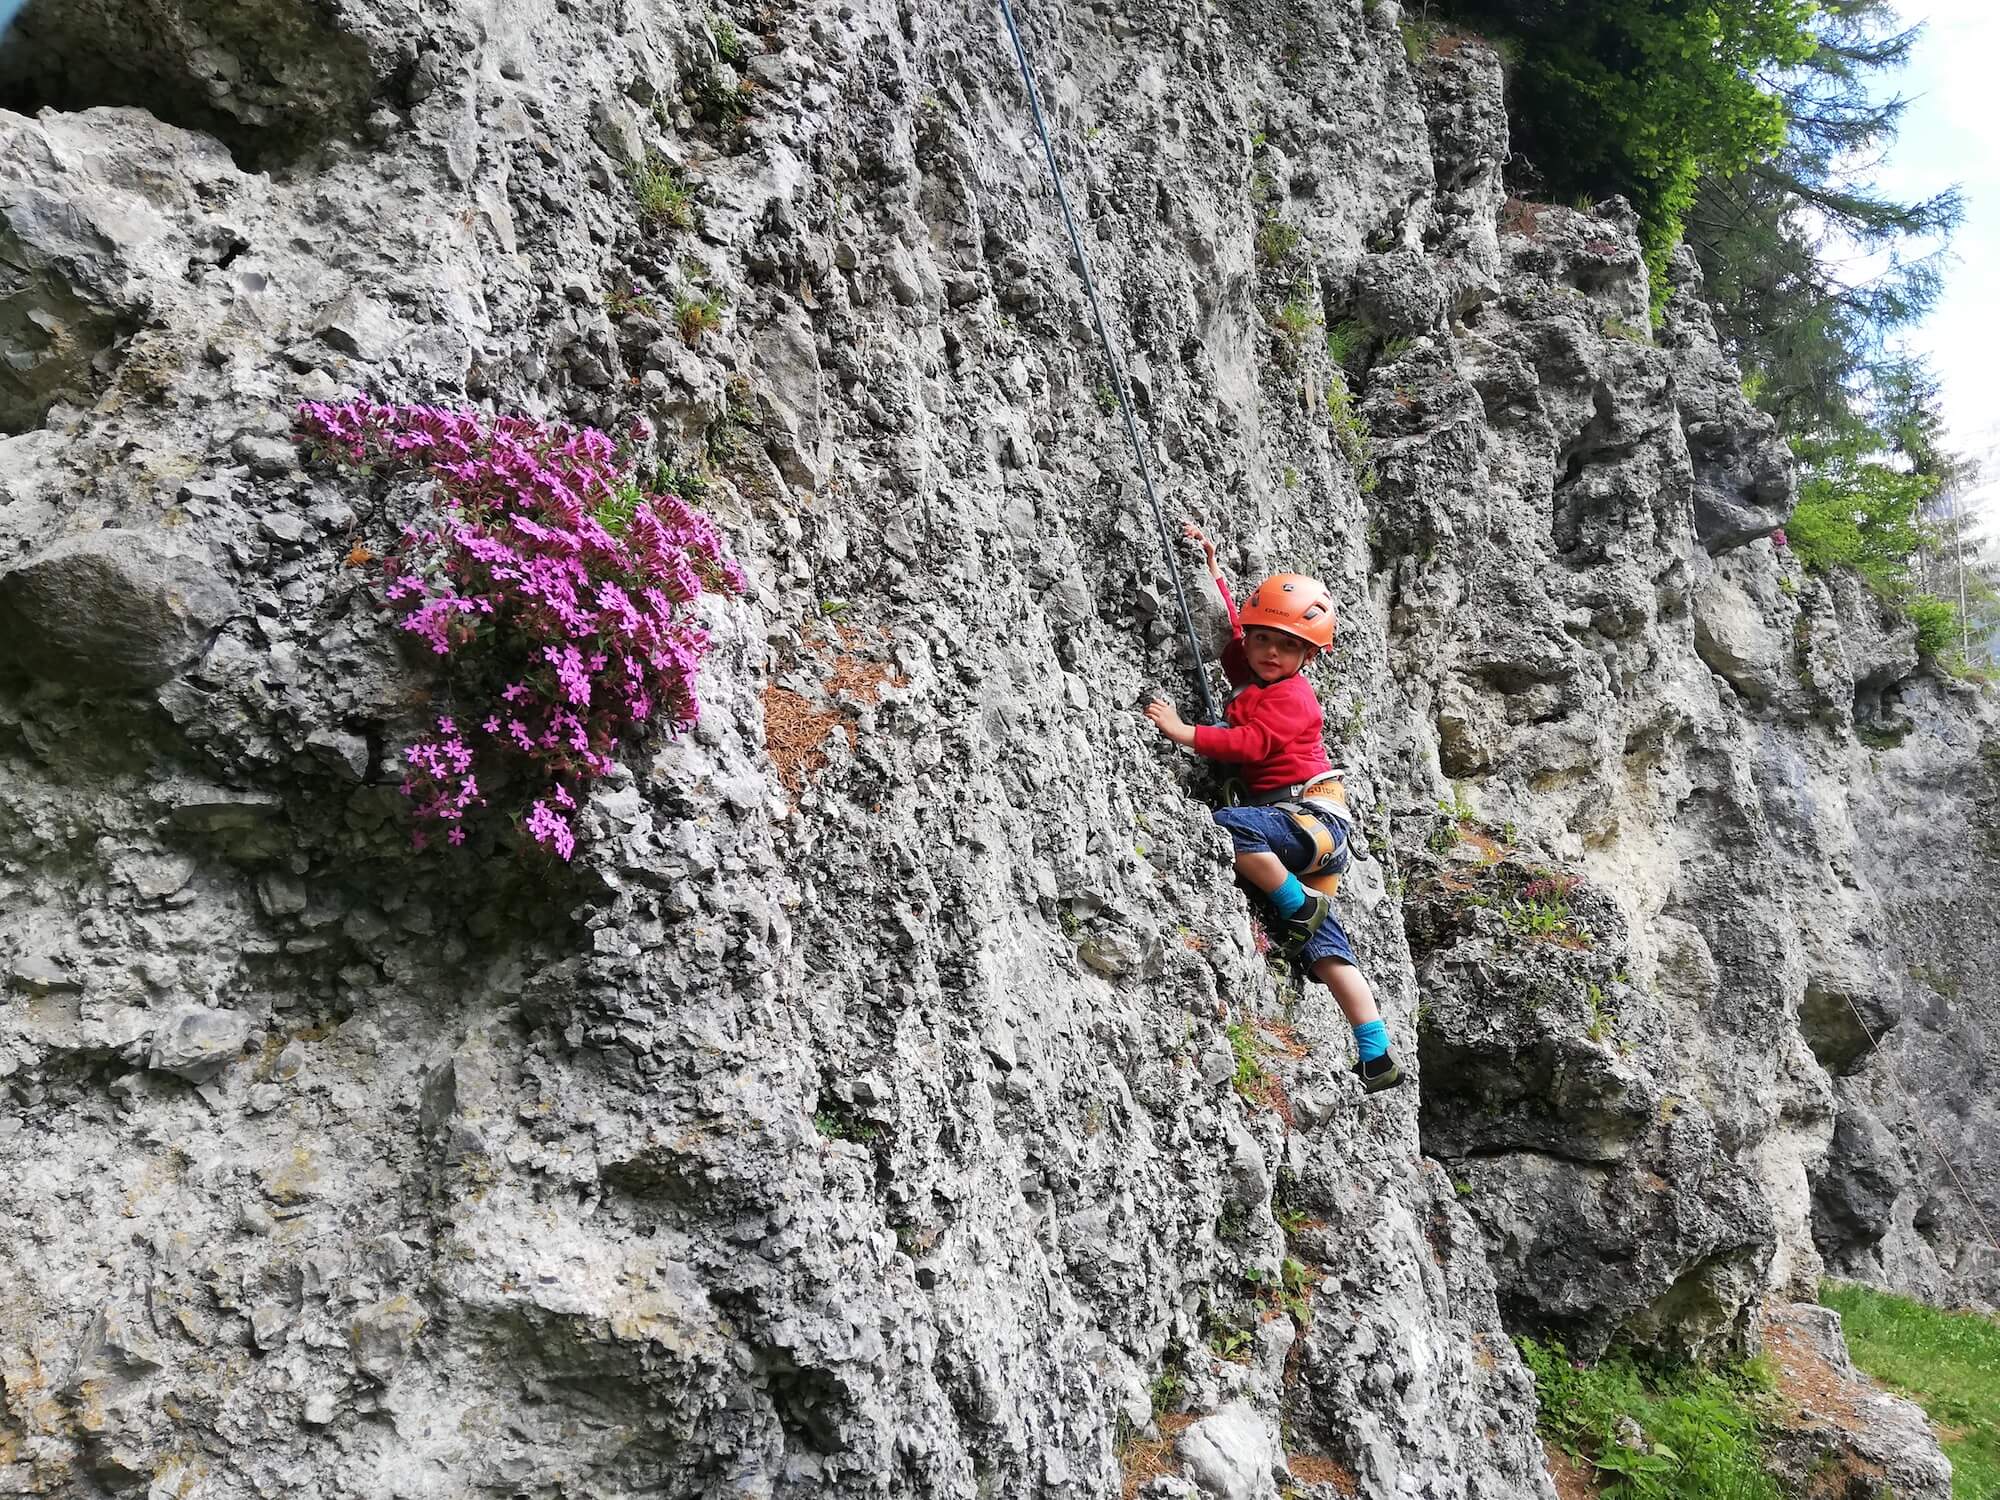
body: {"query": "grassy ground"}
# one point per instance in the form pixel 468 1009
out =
pixel 1948 1363
pixel 1700 1426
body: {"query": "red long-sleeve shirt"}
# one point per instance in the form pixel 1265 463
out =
pixel 1275 732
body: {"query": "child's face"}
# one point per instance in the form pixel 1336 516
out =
pixel 1274 655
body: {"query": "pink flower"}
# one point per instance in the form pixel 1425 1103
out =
pixel 517 579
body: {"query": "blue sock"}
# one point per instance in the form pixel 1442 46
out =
pixel 1371 1039
pixel 1288 897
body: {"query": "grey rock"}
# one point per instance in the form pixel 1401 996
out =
pixel 787 1118
pixel 196 1042
pixel 1868 1439
pixel 382 1335
pixel 119 610
pixel 1229 1453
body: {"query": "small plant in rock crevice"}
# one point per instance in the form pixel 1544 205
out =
pixel 557 592
pixel 1249 1074
pixel 695 315
pixel 1350 433
pixel 1276 240
pixel 663 198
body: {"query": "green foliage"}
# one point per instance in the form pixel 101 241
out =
pixel 690 485
pixel 728 42
pixel 1276 240
pixel 1937 626
pixel 1295 318
pixel 1107 398
pixel 614 513
pixel 1949 1363
pixel 1230 1341
pixel 1634 97
pixel 1618 328
pixel 1249 1067
pixel 1699 1425
pixel 1779 241
pixel 696 314
pixel 836 1123
pixel 621 300
pixel 1418 39
pixel 664 200
pixel 1346 340
pixel 1350 433
pixel 1294 1291
pixel 1170 1382
pixel 1603 1017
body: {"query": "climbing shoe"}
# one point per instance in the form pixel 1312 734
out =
pixel 1291 934
pixel 1378 1073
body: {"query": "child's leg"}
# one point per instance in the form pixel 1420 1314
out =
pixel 1268 847
pixel 1264 870
pixel 1350 990
pixel 1357 1002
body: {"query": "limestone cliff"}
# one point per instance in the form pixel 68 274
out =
pixel 859 1115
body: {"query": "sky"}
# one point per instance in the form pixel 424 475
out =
pixel 1951 134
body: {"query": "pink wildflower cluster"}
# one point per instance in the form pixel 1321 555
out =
pixel 558 589
pixel 1548 886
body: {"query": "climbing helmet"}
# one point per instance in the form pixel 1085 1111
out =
pixel 1294 604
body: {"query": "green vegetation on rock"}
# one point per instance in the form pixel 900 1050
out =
pixel 1695 1428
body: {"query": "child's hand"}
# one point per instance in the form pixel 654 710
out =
pixel 1167 719
pixel 1195 534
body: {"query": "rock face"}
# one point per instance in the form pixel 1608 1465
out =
pixel 909 1108
pixel 119 610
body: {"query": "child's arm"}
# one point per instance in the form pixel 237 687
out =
pixel 1234 665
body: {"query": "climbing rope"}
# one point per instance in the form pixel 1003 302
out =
pixel 1910 1104
pixel 1111 358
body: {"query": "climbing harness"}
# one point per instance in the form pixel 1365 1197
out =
pixel 1312 806
pixel 1111 358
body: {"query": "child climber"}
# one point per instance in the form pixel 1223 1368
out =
pixel 1296 823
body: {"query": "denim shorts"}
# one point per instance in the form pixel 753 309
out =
pixel 1266 830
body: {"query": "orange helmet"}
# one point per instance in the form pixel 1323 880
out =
pixel 1295 604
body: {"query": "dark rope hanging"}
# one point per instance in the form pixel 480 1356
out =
pixel 1111 358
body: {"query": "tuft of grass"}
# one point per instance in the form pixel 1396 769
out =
pixel 1947 1362
pixel 690 484
pixel 663 198
pixel 1294 319
pixel 1699 1425
pixel 696 315
pixel 1345 341
pixel 1617 328
pixel 1249 1069
pixel 1603 1015
pixel 630 298
pixel 837 1124
pixel 1276 240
